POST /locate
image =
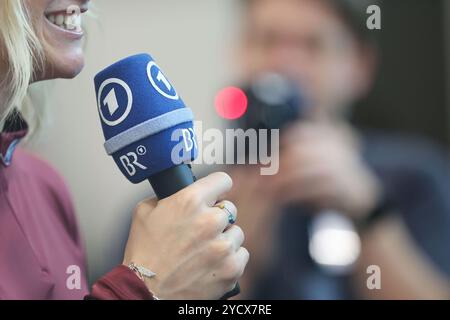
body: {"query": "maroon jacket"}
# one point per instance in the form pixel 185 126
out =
pixel 41 251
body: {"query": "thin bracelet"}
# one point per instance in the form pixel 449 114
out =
pixel 143 273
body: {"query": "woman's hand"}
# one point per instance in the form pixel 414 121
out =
pixel 188 243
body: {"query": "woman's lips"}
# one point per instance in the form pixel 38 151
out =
pixel 68 20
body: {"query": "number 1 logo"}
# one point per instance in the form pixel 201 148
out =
pixel 160 82
pixel 108 101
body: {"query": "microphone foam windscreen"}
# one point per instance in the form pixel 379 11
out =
pixel 146 125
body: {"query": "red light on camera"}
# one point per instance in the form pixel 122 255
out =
pixel 231 103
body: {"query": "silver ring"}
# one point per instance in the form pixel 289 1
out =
pixel 232 216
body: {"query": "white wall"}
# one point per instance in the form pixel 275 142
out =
pixel 191 42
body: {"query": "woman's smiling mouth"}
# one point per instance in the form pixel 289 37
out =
pixel 68 20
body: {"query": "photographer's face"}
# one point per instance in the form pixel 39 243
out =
pixel 308 41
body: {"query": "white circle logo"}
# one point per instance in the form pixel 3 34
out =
pixel 112 103
pixel 141 150
pixel 169 92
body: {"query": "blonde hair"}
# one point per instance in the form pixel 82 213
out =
pixel 23 53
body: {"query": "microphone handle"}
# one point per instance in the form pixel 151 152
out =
pixel 172 180
pixel 169 182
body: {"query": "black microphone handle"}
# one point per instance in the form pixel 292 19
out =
pixel 169 182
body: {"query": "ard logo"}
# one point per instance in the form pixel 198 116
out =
pixel 114 101
pixel 160 82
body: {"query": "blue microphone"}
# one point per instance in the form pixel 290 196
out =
pixel 147 127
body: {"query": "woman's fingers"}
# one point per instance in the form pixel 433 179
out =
pixel 212 187
pixel 229 209
pixel 235 235
pixel 223 215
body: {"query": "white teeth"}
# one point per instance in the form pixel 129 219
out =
pixel 59 20
pixel 71 22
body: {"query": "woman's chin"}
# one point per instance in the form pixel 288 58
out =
pixel 71 72
pixel 64 68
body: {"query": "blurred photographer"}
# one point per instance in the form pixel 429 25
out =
pixel 393 189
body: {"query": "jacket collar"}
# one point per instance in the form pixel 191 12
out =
pixel 14 130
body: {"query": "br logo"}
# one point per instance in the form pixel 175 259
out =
pixel 114 101
pixel 130 161
pixel 160 82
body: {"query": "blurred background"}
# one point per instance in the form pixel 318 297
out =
pixel 195 43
